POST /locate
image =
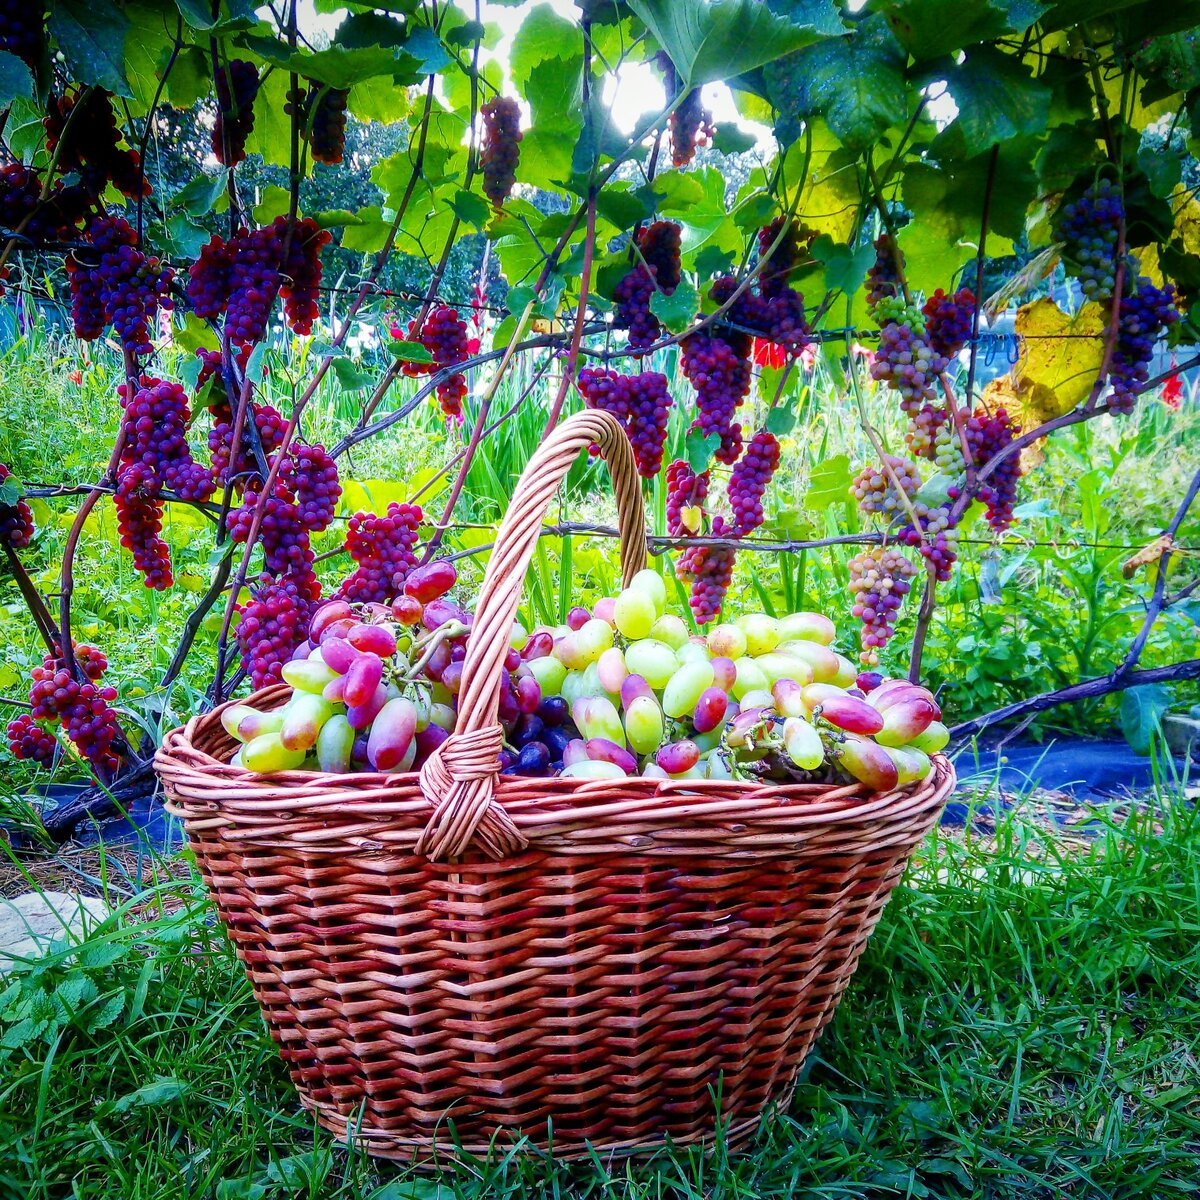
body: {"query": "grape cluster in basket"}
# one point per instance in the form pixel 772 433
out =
pixel 621 691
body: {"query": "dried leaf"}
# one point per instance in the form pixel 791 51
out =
pixel 1146 555
pixel 1027 278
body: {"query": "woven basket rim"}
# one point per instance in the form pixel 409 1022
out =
pixel 550 808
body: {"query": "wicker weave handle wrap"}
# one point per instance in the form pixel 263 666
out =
pixel 459 779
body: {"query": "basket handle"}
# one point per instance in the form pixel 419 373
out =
pixel 459 778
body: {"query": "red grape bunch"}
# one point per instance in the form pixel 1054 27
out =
pixel 686 494
pixel 271 625
pixel 936 538
pixel 749 479
pixel 709 569
pixel 301 282
pixel 92 146
pixel 30 741
pixel 656 267
pixel 905 360
pixel 883 278
pixel 81 708
pixel 931 435
pixel 16 519
pixel 721 377
pixel 1144 315
pixel 325 108
pixel 948 321
pixel 876 493
pixel 444 335
pixel 155 420
pixel 125 289
pixel 642 403
pixel 987 435
pixel 384 549
pixel 775 266
pixel 879 581
pixel 39 221
pixel 501 152
pixel 138 501
pixel 237 87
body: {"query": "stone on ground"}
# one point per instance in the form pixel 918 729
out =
pixel 30 923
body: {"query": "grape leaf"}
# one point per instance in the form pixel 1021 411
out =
pixel 829 483
pixel 200 194
pixel 781 421
pixel 91 36
pixel 699 449
pixel 845 267
pixel 1141 711
pixel 10 492
pixel 933 28
pixel 350 377
pixel 714 39
pixel 676 310
pixel 412 352
pixel 856 83
pixel 997 98
pixel 15 78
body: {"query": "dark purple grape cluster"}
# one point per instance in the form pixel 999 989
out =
pixel 444 335
pixel 883 277
pixel 987 435
pixel 237 87
pixel 384 549
pixel 948 321
pixel 690 125
pixel 1089 229
pixel 775 266
pixel 721 377
pixel 936 538
pixel 1144 315
pixel 138 501
pixel 710 571
pixel 23 30
pixel 656 267
pixel 271 625
pixel 241 278
pixel 311 475
pixel 905 360
pixel 16 520
pixel 29 741
pixel 20 192
pixel 501 151
pixel 879 581
pixel 301 285
pixel 155 420
pixel 749 479
pixel 125 289
pixel 875 492
pixel 92 147
pixel 326 110
pixel 208 280
pixel 642 403
pixel 685 489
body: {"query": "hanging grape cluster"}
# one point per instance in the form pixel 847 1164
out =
pixel 1090 229
pixel 656 268
pixel 501 151
pixel 16 518
pixel 81 128
pixel 879 581
pixel 384 549
pixel 237 86
pixel 642 404
pixel 444 335
pixel 1144 315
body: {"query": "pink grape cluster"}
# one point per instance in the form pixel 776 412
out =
pixel 237 86
pixel 384 547
pixel 905 359
pixel 125 288
pixel 685 489
pixel 883 276
pixel 879 582
pixel 931 435
pixel 1143 317
pixel 775 266
pixel 16 519
pixel 690 125
pixel 642 403
pixel 154 421
pixel 40 221
pixel 271 426
pixel 138 501
pixel 709 569
pixel 721 377
pixel 270 627
pixel 30 741
pixel 936 538
pixel 501 151
pixel 81 708
pixel 875 492
pixel 444 335
pixel 326 110
pixel 749 480
pixel 949 320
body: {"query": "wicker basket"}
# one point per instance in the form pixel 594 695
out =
pixel 447 955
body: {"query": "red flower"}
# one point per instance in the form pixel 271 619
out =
pixel 1172 391
pixel 768 354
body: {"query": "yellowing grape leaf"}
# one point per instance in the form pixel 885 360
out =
pixel 1187 218
pixel 1059 353
pixel 1028 405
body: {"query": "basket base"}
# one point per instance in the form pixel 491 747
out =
pixel 432 1151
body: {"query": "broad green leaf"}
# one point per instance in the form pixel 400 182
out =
pixel 933 28
pixel 543 36
pixel 731 139
pixel 15 78
pixel 23 131
pixel 933 252
pixel 781 420
pixel 855 83
pixel 380 99
pixel 199 195
pixel 10 492
pixel 845 267
pixel 1141 711
pixel 471 208
pixel 412 352
pixel 677 310
pixel 370 234
pixel 164 1090
pixel 359 30
pixel 829 483
pixel 350 377
pixel 700 449
pixel 234 14
pixel 716 39
pixel 997 98
pixel 274 201
pixel 91 36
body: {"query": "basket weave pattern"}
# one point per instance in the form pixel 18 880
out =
pixel 493 952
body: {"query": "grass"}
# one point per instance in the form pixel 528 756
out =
pixel 1024 1024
